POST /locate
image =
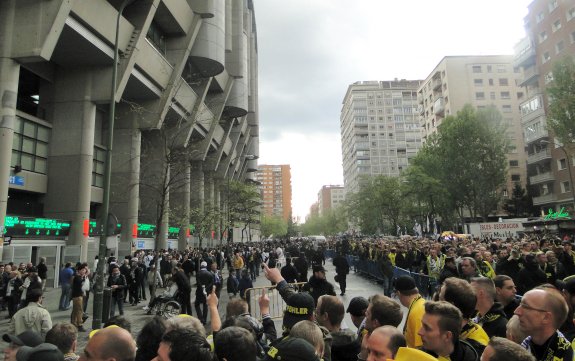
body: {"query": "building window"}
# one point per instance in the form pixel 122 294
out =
pixel 489 68
pixel 98 163
pixel 514 163
pixel 30 145
pixel 478 82
pixel 552 5
pixel 476 68
pixel 565 187
pixel 505 95
pixel 562 164
pixel 539 18
pixel 516 177
pixel 501 69
pixel 506 108
pixel 542 36
pixel 492 95
pixel 546 57
pixel 559 47
pixel 503 82
pixel 556 25
pixel 570 14
pixel 156 36
pixel 480 96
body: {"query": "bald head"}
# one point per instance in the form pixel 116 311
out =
pixel 111 342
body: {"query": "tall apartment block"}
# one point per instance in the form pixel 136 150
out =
pixel 276 189
pixel 186 84
pixel 380 129
pixel 550 30
pixel 330 197
pixel 481 81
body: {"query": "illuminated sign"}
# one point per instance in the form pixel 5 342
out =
pixel 16 180
pixel 35 227
pixel 562 214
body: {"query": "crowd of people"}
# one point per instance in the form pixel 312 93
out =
pixel 473 311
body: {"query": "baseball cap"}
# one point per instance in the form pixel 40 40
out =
pixel 357 306
pixel 26 338
pixel 404 283
pixel 203 264
pixel 318 268
pixel 42 352
pixel 299 307
pixel 410 354
pixel 291 349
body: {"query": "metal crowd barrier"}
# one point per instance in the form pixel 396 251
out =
pixel 373 270
pixel 277 304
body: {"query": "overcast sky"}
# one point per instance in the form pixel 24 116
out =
pixel 310 51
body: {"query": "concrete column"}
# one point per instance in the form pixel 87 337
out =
pixel 9 73
pixel 197 186
pixel 209 200
pixel 71 153
pixel 125 182
pixel 219 207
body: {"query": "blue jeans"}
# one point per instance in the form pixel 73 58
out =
pixel 65 296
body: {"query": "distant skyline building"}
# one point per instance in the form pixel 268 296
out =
pixel 481 81
pixel 550 36
pixel 276 190
pixel 380 129
pixel 329 197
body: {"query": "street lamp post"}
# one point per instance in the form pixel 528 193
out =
pixel 568 164
pixel 99 286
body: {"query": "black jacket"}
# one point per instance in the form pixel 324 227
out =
pixel 289 273
pixel 183 282
pixel 530 277
pixel 344 346
pixel 204 278
pixel 341 265
pixel 119 281
pixel 494 322
pixel 463 352
pixel 317 287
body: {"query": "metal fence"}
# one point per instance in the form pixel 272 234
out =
pixel 277 304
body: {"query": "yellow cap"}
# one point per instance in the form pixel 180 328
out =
pixel 411 354
pixel 93 332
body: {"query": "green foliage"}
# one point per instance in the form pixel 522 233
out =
pixel 331 222
pixel 520 203
pixel 273 225
pixel 561 93
pixel 376 207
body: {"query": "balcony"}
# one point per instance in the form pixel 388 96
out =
pixel 524 53
pixel 542 178
pixel 530 76
pixel 539 156
pixel 436 83
pixel 439 106
pixel 548 198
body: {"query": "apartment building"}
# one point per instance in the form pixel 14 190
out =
pixel 186 83
pixel 329 197
pixel 380 129
pixel 275 189
pixel 550 35
pixel 481 81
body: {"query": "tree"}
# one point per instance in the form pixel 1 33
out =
pixel 561 94
pixel 243 202
pixel 331 222
pixel 376 206
pixel 273 226
pixel 520 203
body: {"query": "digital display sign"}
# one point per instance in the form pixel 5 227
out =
pixel 35 227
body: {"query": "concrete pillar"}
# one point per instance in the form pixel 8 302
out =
pixel 9 73
pixel 197 186
pixel 71 153
pixel 180 196
pixel 125 182
pixel 219 208
pixel 209 200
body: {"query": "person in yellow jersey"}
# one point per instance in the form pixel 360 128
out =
pixel 409 297
pixel 440 333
